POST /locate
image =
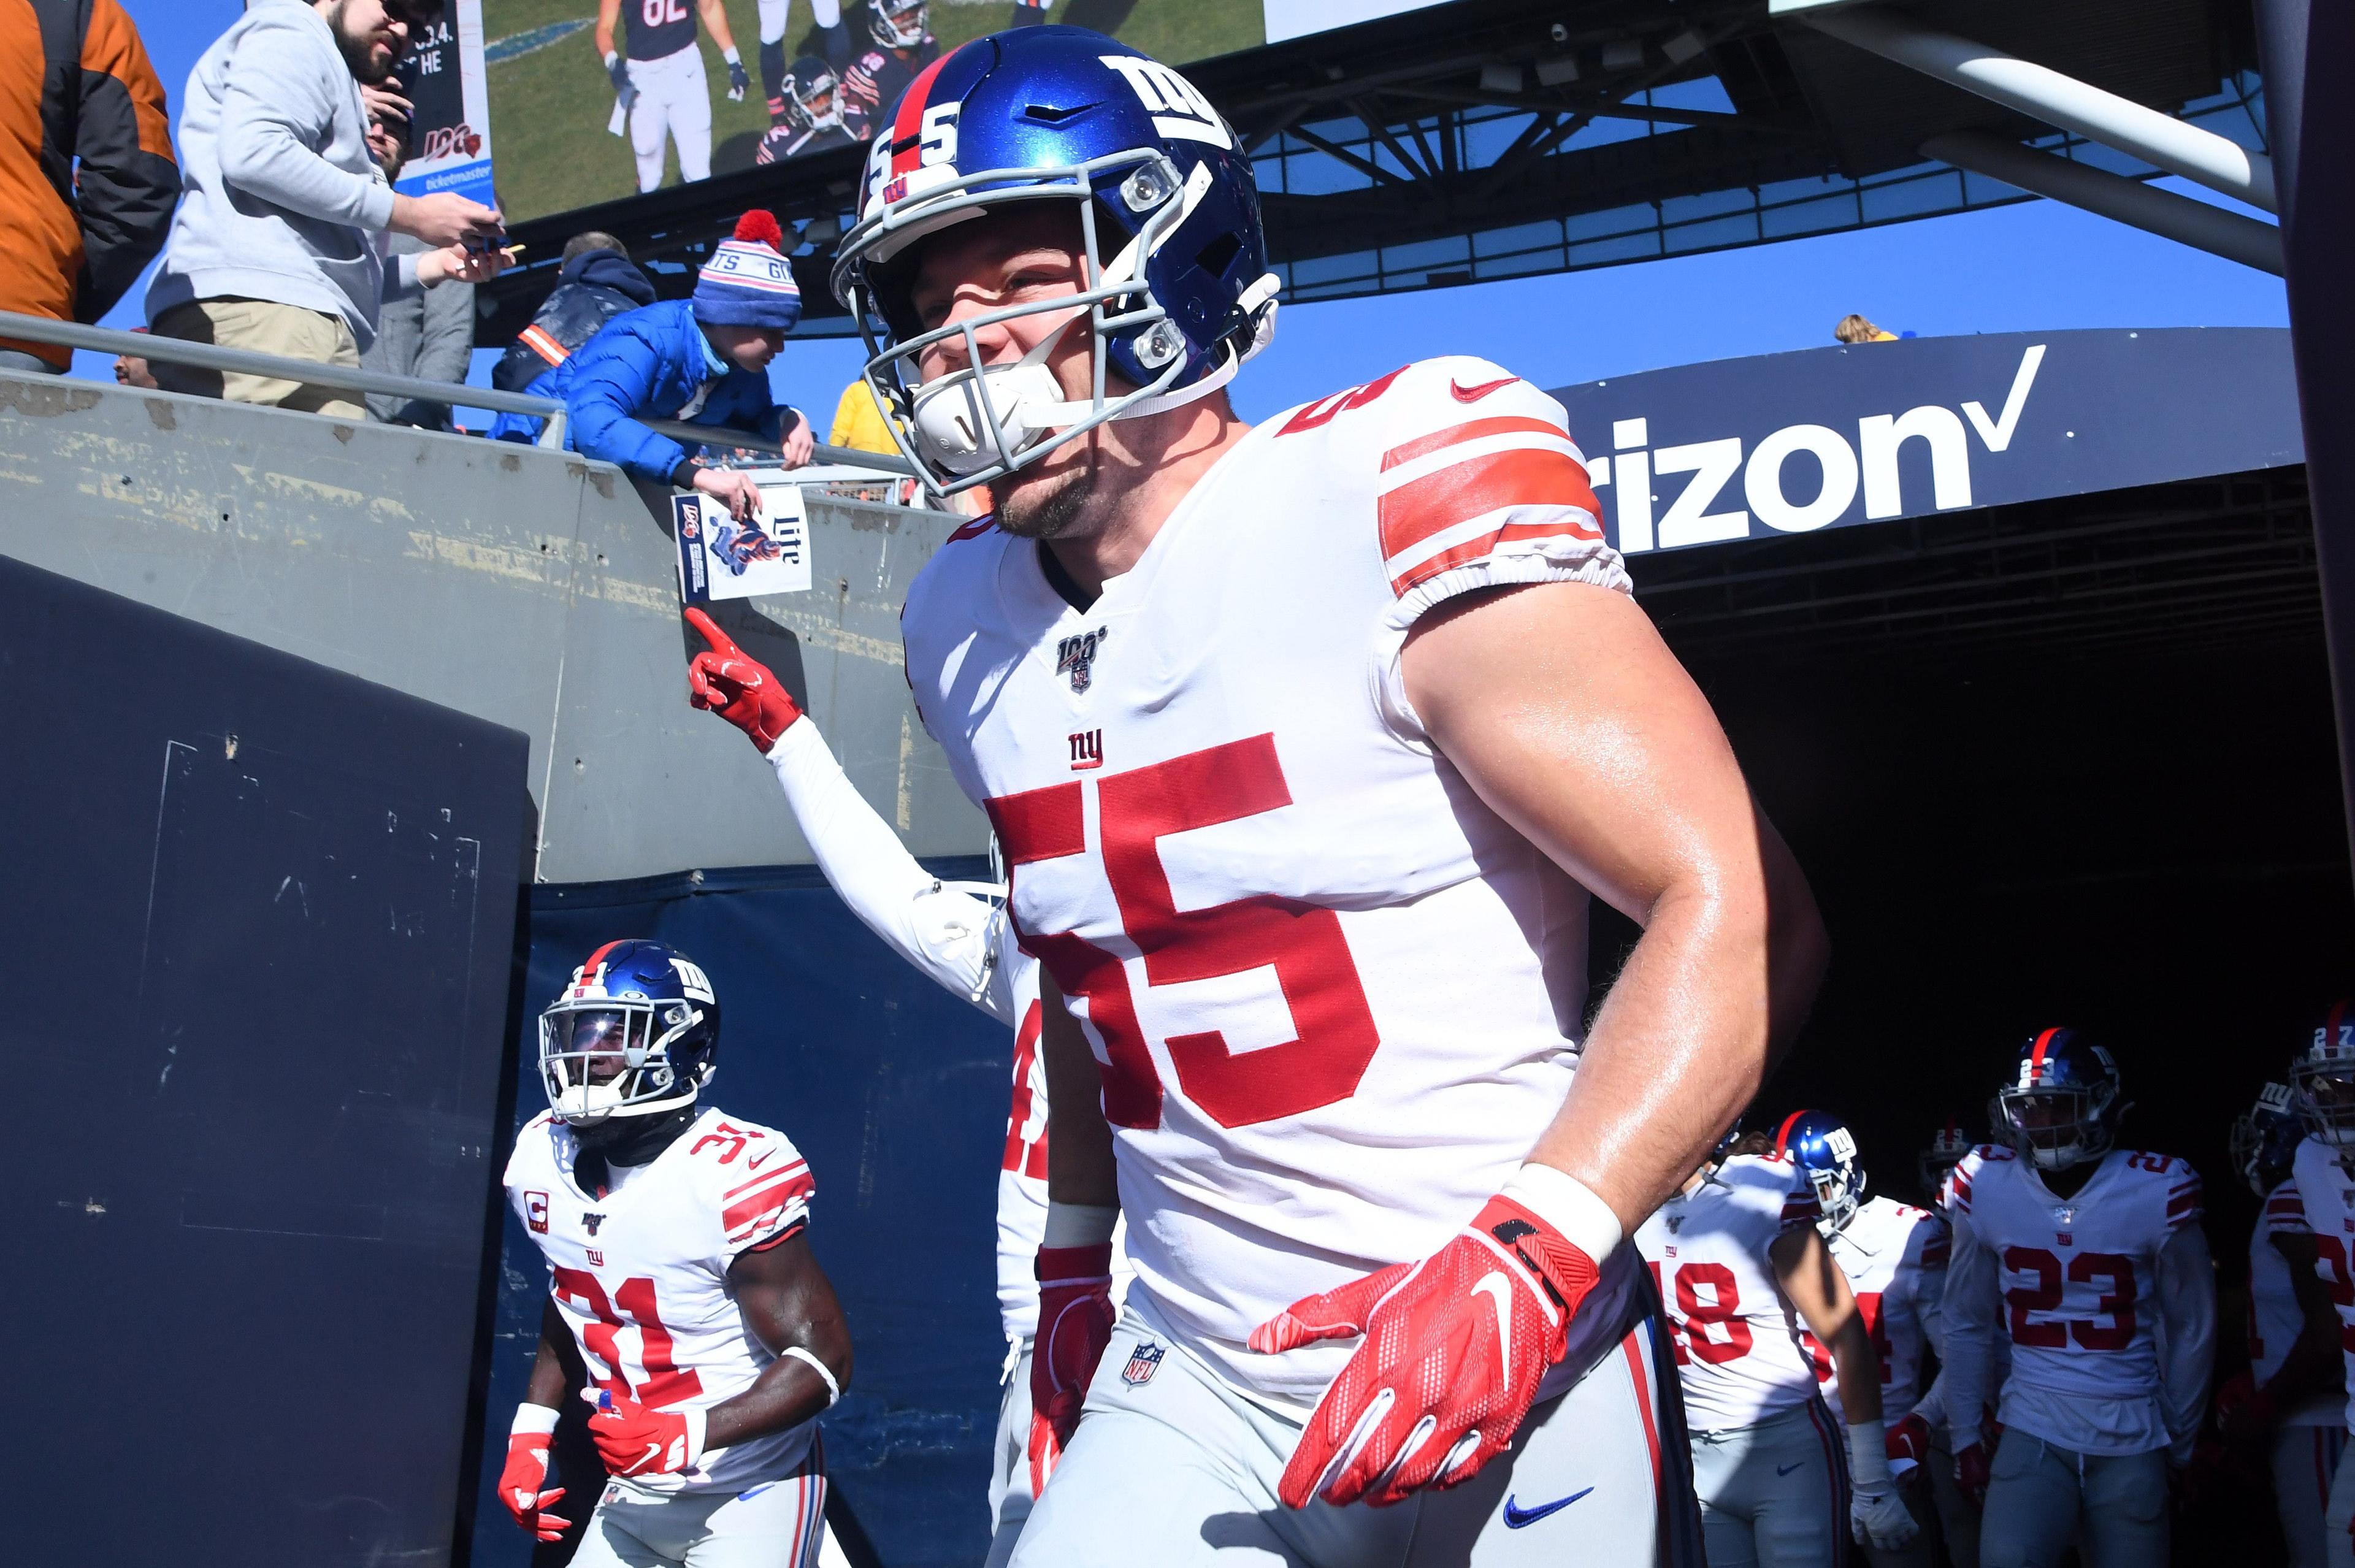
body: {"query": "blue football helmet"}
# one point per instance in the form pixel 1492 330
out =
pixel 1825 1151
pixel 1178 292
pixel 1947 1146
pixel 635 1031
pixel 2322 1078
pixel 2265 1139
pixel 2062 1106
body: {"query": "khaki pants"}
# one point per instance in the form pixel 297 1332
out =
pixel 261 326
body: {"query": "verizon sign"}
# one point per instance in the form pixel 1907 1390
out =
pixel 1827 438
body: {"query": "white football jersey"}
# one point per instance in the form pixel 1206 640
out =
pixel 2325 1195
pixel 641 1274
pixel 1894 1256
pixel 2078 1286
pixel 1334 997
pixel 1737 1353
pixel 2276 1319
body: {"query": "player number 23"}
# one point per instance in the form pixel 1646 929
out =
pixel 1303 943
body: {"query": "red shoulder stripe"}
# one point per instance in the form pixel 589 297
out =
pixel 1474 548
pixel 785 1170
pixel 1453 435
pixel 794 1186
pixel 1415 511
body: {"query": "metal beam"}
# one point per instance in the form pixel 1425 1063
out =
pixel 2160 212
pixel 2045 94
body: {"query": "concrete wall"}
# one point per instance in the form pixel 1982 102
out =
pixel 533 589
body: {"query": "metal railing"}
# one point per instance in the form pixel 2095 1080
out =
pixel 345 378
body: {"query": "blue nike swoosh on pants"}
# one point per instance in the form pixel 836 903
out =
pixel 1516 1518
pixel 1787 1469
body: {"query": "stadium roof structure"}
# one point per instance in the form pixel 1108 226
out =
pixel 1488 139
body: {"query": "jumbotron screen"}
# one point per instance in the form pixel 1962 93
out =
pixel 562 139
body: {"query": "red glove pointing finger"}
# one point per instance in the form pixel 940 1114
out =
pixel 1075 1319
pixel 526 1473
pixel 1971 1474
pixel 738 687
pixel 634 1440
pixel 1454 1348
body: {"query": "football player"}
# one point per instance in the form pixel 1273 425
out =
pixel 660 85
pixel 2322 1081
pixel 1936 1163
pixel 1894 1257
pixel 2292 1398
pixel 1297 739
pixel 2090 1258
pixel 836 34
pixel 1736 1256
pixel 875 82
pixel 951 932
pixel 683 1301
pixel 807 116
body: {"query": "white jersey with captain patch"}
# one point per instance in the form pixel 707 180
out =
pixel 2276 1319
pixel 2078 1290
pixel 2326 1194
pixel 640 1274
pixel 1737 1353
pixel 1894 1256
pixel 1334 998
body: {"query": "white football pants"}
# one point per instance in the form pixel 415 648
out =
pixel 674 101
pixel 776 1525
pixel 2305 1464
pixel 1774 1495
pixel 1179 1470
pixel 2041 1495
pixel 1009 1463
pixel 2335 1517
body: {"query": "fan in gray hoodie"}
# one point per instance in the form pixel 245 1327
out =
pixel 280 243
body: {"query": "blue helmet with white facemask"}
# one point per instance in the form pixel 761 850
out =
pixel 1825 1151
pixel 1177 290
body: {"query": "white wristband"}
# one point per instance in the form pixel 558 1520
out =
pixel 698 1423
pixel 1570 1206
pixel 610 55
pixel 833 1389
pixel 730 55
pixel 1868 1457
pixel 536 1419
pixel 1079 1224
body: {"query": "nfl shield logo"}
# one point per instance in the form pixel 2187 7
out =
pixel 1142 1362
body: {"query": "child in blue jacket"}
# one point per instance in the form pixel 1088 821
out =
pixel 704 359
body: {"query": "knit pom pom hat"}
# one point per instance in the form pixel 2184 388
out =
pixel 748 281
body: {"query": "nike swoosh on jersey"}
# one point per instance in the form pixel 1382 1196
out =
pixel 1497 1287
pixel 1465 394
pixel 1787 1469
pixel 1518 1517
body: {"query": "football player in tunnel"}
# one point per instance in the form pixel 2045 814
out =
pixel 1782 1483
pixel 2090 1258
pixel 1936 1162
pixel 2291 1402
pixel 1305 743
pixel 806 114
pixel 1894 1256
pixel 904 47
pixel 683 1301
pixel 953 932
pixel 2322 1082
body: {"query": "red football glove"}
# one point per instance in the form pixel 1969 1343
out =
pixel 1454 1347
pixel 1075 1319
pixel 1971 1474
pixel 1908 1443
pixel 738 687
pixel 634 1440
pixel 527 1472
pixel 2244 1413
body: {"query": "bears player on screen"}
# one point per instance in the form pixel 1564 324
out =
pixel 877 80
pixel 1297 739
pixel 1736 1256
pixel 806 116
pixel 951 932
pixel 2291 1401
pixel 832 29
pixel 1894 1256
pixel 2091 1260
pixel 661 86
pixel 683 1300
pixel 2322 1078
